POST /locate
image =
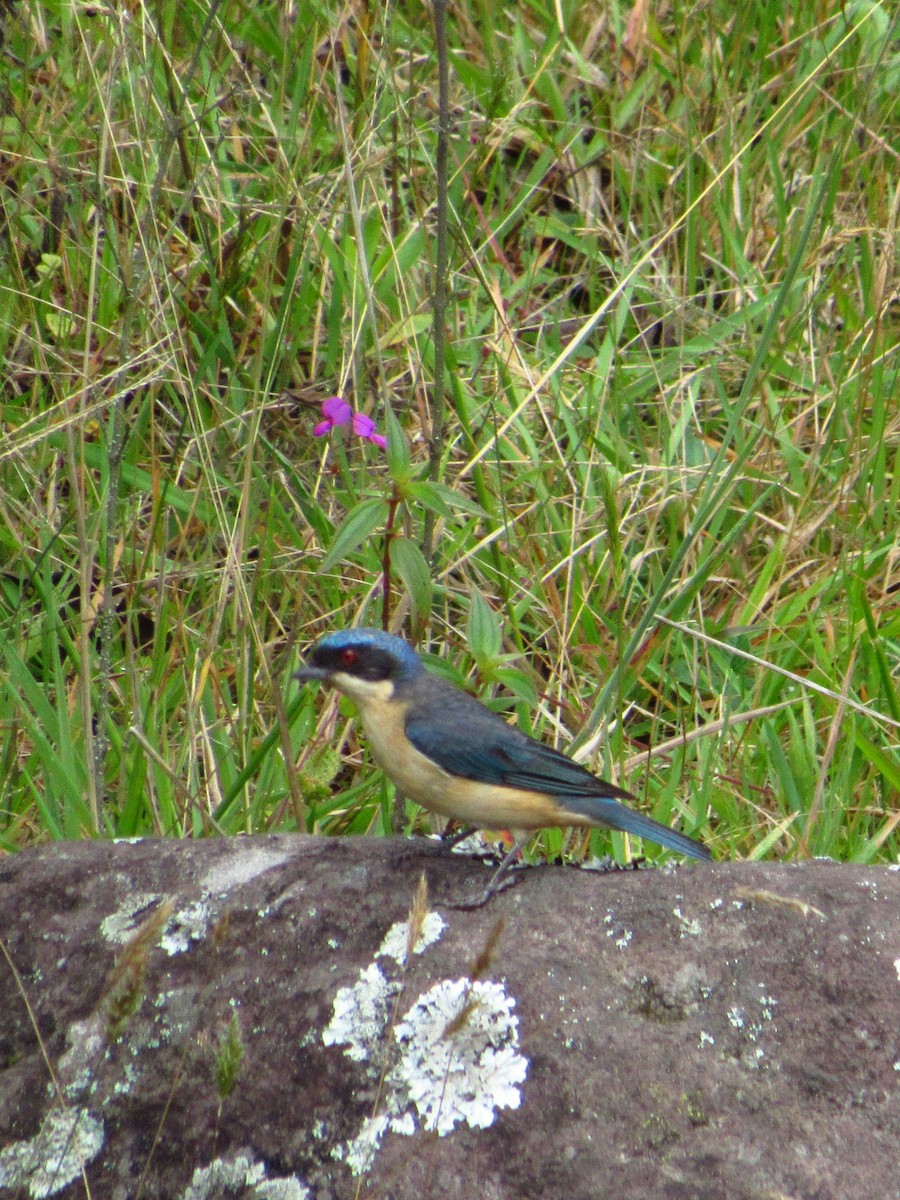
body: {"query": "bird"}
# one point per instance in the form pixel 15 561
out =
pixel 446 751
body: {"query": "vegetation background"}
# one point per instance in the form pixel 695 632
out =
pixel 655 507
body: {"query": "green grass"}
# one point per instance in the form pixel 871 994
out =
pixel 666 518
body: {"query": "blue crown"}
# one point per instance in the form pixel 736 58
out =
pixel 377 639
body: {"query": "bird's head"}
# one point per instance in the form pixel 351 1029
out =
pixel 364 664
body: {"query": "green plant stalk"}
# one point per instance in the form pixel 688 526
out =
pixel 715 490
pixel 439 304
pixel 362 258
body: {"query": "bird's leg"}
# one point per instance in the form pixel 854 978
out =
pixel 449 840
pixel 499 882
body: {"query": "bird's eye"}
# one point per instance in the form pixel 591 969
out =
pixel 348 657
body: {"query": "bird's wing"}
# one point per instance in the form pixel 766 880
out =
pixel 470 741
pixel 467 739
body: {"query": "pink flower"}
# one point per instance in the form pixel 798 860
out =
pixel 365 427
pixel 338 412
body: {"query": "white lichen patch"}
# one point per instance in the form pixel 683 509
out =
pixel 459 1060
pixel 86 1045
pixel 458 1064
pixel 768 1004
pixel 604 864
pixel 622 935
pixel 242 1176
pixel 186 925
pixel 452 1059
pixel 240 868
pixel 687 926
pixel 752 1022
pixel 48 1162
pixel 120 926
pixel 359 1153
pixel 396 940
pixel 360 1014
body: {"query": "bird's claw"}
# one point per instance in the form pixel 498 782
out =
pixel 494 888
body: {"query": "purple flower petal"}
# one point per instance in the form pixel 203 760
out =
pixel 363 425
pixel 322 428
pixel 337 411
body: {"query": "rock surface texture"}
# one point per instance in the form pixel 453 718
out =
pixel 243 1018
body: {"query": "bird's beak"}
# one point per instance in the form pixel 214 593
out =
pixel 308 674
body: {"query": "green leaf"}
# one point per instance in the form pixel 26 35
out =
pixel 882 761
pixel 409 562
pixel 55 768
pixel 518 683
pixel 359 523
pixel 429 497
pixel 442 499
pixel 408 329
pixel 483 629
pixel 398 459
pixel 229 1057
pixel 136 479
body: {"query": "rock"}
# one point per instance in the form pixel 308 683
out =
pixel 237 1018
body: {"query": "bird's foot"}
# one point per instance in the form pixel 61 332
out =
pixel 494 888
pixel 501 879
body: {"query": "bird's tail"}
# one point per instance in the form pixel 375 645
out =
pixel 609 812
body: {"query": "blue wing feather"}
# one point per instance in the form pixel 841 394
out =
pixel 470 741
pixel 484 748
